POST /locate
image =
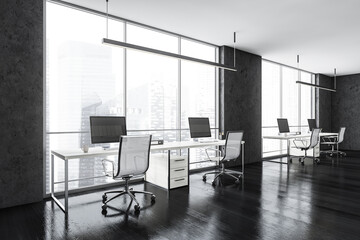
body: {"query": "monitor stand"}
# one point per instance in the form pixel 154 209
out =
pixel 105 146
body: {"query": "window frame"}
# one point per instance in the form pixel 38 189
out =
pixel 281 105
pixel 47 134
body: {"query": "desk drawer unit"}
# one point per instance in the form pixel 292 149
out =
pixel 178 182
pixel 168 173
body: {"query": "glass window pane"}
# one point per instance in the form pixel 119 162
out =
pixel 270 93
pixel 198 84
pixel 84 77
pixel 152 83
pixel 197 50
pixel 151 39
pixel 290 96
pixel 306 99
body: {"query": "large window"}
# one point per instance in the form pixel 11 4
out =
pixel 282 97
pixel 84 77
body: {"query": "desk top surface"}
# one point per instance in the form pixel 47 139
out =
pixel 99 151
pixel 292 136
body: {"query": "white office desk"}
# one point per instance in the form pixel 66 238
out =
pixel 291 151
pixel 67 155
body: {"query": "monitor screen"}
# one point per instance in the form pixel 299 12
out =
pixel 199 127
pixel 107 129
pixel 283 125
pixel 312 124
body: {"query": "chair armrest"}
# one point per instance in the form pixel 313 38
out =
pixel 212 149
pixel 104 161
pixel 299 142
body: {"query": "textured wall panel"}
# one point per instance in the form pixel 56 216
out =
pixel 21 102
pixel 240 99
pixel 346 110
pixel 323 102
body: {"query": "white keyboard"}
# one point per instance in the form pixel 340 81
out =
pixel 207 140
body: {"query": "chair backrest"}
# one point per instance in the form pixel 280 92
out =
pixel 134 153
pixel 314 140
pixel 233 145
pixel 341 134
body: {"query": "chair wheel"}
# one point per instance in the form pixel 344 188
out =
pixel 153 197
pixel 290 160
pixel 137 208
pixel 213 183
pixel 104 198
pixel 237 181
pixel 204 178
pixel 299 159
pixel 104 212
pixel 302 163
pixel 104 207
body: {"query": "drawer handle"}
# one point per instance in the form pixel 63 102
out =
pixel 181 179
pixel 179 160
pixel 178 170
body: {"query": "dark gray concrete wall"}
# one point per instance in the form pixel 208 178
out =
pixel 323 102
pixel 346 110
pixel 240 99
pixel 21 102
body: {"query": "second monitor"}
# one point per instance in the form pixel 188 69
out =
pixel 312 124
pixel 107 129
pixel 199 127
pixel 283 125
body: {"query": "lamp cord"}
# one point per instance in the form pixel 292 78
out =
pixel 298 61
pixel 107 18
pixel 234 49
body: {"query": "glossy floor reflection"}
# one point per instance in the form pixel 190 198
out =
pixel 273 202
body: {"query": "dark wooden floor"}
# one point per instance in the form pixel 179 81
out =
pixel 274 202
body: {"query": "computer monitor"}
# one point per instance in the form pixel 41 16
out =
pixel 312 124
pixel 283 125
pixel 107 129
pixel 199 127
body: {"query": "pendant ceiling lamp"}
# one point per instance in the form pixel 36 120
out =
pixel 315 85
pixel 125 45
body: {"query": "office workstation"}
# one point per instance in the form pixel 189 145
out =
pixel 167 120
pixel 299 141
pixel 165 170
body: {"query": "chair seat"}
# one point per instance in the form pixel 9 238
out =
pixel 329 143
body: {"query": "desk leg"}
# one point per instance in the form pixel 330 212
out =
pixel 64 209
pixel 242 158
pixel 288 151
pixel 52 175
pixel 188 167
pixel 66 184
pixel 169 154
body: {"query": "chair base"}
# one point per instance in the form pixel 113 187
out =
pixel 302 159
pixel 332 152
pixel 222 172
pixel 315 160
pixel 130 192
pixel 335 152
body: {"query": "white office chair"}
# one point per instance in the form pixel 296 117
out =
pixel 133 160
pixel 335 141
pixel 304 145
pixel 232 152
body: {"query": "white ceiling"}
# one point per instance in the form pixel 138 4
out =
pixel 325 33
